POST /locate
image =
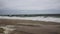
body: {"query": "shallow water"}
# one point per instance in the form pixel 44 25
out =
pixel 8 28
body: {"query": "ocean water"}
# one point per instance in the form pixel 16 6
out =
pixel 36 18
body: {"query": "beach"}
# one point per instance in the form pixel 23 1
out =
pixel 24 26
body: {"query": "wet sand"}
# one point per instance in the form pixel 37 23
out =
pixel 15 21
pixel 32 27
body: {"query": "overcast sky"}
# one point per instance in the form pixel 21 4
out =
pixel 30 4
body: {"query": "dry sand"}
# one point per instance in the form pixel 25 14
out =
pixel 32 27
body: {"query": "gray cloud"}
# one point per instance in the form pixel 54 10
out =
pixel 31 4
pixel 13 6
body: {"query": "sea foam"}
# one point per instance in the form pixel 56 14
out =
pixel 38 18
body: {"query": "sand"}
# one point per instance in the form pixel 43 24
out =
pixel 31 27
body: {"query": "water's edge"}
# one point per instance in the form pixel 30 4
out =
pixel 38 18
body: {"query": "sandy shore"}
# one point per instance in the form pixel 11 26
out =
pixel 32 27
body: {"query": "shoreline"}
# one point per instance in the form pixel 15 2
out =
pixel 24 26
pixel 38 18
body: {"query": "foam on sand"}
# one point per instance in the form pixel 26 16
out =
pixel 8 28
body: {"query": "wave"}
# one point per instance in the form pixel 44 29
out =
pixel 37 18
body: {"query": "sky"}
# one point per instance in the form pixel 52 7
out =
pixel 30 4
